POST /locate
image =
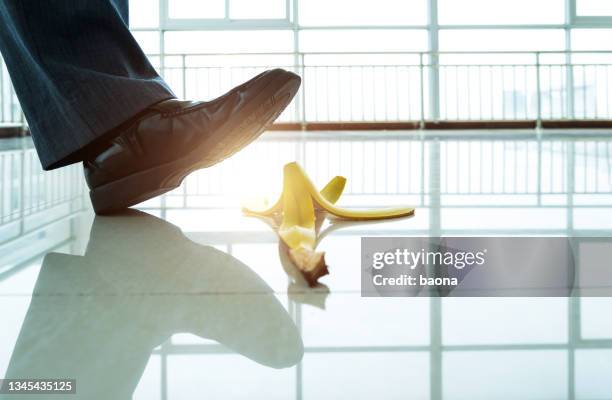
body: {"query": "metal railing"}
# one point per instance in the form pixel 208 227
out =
pixel 32 200
pixel 10 111
pixel 401 86
pixel 401 165
pixel 415 86
pixel 377 166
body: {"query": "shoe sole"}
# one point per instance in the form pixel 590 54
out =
pixel 146 184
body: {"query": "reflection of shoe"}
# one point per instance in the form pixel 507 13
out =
pixel 173 138
pixel 97 318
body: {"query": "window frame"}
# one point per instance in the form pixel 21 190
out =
pixel 585 21
pixel 225 23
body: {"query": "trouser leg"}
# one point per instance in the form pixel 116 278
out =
pixel 78 73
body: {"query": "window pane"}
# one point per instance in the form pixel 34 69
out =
pixel 194 9
pixel 594 8
pixel 144 13
pixel 363 87
pixel 363 40
pixel 487 12
pixel 501 40
pixel 229 42
pixel 258 9
pixel 365 12
pixel 591 39
pixel 148 41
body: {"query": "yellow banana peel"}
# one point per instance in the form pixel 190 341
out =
pixel 298 204
pixel 295 176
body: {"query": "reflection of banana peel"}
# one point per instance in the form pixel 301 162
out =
pixel 318 299
pixel 296 288
pixel 298 204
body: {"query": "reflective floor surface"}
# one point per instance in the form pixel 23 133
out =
pixel 186 298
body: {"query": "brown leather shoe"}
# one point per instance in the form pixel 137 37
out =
pixel 173 138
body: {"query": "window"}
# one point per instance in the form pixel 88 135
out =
pixel 362 12
pixel 502 40
pixel 367 60
pixel 594 8
pixel 148 41
pixel 258 9
pixel 196 9
pixel 144 13
pixel 227 11
pixel 487 12
pixel 363 40
pixel 229 41
pixel 591 39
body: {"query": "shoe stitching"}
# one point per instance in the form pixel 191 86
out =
pixel 183 110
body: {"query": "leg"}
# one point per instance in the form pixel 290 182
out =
pixel 78 72
pixel 90 95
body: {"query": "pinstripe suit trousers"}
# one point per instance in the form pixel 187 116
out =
pixel 78 73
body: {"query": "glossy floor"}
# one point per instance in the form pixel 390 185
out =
pixel 189 299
